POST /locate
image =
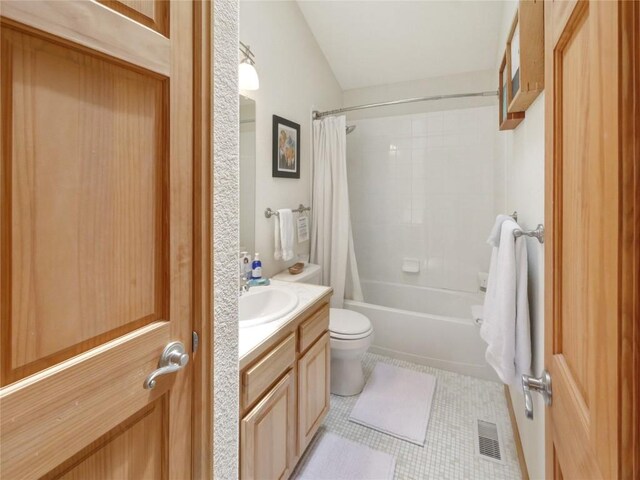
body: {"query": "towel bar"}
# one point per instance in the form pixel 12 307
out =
pixel 268 213
pixel 537 233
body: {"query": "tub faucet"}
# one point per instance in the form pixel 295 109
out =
pixel 244 285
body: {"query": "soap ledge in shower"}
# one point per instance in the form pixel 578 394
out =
pixel 411 265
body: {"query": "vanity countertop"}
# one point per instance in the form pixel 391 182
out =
pixel 252 337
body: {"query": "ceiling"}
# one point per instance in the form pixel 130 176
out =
pixel 379 42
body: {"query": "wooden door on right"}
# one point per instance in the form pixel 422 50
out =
pixel 592 203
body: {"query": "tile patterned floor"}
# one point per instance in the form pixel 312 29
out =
pixel 449 452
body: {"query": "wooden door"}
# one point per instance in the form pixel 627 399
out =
pixel 96 253
pixel 268 434
pixel 592 249
pixel 313 390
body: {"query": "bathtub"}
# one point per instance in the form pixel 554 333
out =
pixel 429 326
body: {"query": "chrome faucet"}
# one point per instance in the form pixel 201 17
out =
pixel 244 285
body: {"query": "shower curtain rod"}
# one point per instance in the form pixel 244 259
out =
pixel 317 114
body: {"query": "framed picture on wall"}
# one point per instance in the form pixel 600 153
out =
pixel 286 148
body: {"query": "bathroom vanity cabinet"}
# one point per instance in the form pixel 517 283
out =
pixel 284 394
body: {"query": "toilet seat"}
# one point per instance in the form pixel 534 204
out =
pixel 358 336
pixel 348 325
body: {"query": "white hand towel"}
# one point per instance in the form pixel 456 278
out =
pixel 286 233
pixel 277 252
pixel 505 325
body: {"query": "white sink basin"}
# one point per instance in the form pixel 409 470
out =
pixel 265 304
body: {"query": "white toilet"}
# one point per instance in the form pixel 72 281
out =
pixel 351 335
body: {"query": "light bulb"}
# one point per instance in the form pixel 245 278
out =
pixel 248 77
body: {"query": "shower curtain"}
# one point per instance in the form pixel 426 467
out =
pixel 331 237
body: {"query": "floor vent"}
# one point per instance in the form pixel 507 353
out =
pixel 488 441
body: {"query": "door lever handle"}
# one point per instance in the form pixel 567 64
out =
pixel 173 358
pixel 541 385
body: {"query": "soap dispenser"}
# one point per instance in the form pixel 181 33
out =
pixel 256 267
pixel 245 265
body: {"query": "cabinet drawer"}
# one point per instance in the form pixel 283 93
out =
pixel 256 379
pixel 313 327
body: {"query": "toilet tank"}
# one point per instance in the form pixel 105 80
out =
pixel 310 274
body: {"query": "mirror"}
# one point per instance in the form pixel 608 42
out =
pixel 247 174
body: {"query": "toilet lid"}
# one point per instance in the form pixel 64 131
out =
pixel 347 323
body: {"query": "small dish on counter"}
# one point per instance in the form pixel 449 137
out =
pixel 296 268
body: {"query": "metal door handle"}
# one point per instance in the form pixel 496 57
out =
pixel 173 358
pixel 541 385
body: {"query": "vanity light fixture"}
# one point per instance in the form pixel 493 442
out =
pixel 248 76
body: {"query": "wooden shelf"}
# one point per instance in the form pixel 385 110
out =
pixel 525 55
pixel 508 121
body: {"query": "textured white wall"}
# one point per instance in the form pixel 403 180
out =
pixel 522 156
pixel 421 187
pixel 225 239
pixel 295 78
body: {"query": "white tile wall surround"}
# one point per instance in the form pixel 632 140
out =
pixel 449 452
pixel 421 186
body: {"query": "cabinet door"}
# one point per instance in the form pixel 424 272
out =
pixel 313 391
pixel 268 434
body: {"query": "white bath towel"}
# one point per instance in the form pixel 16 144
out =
pixel 494 236
pixel 505 325
pixel 285 215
